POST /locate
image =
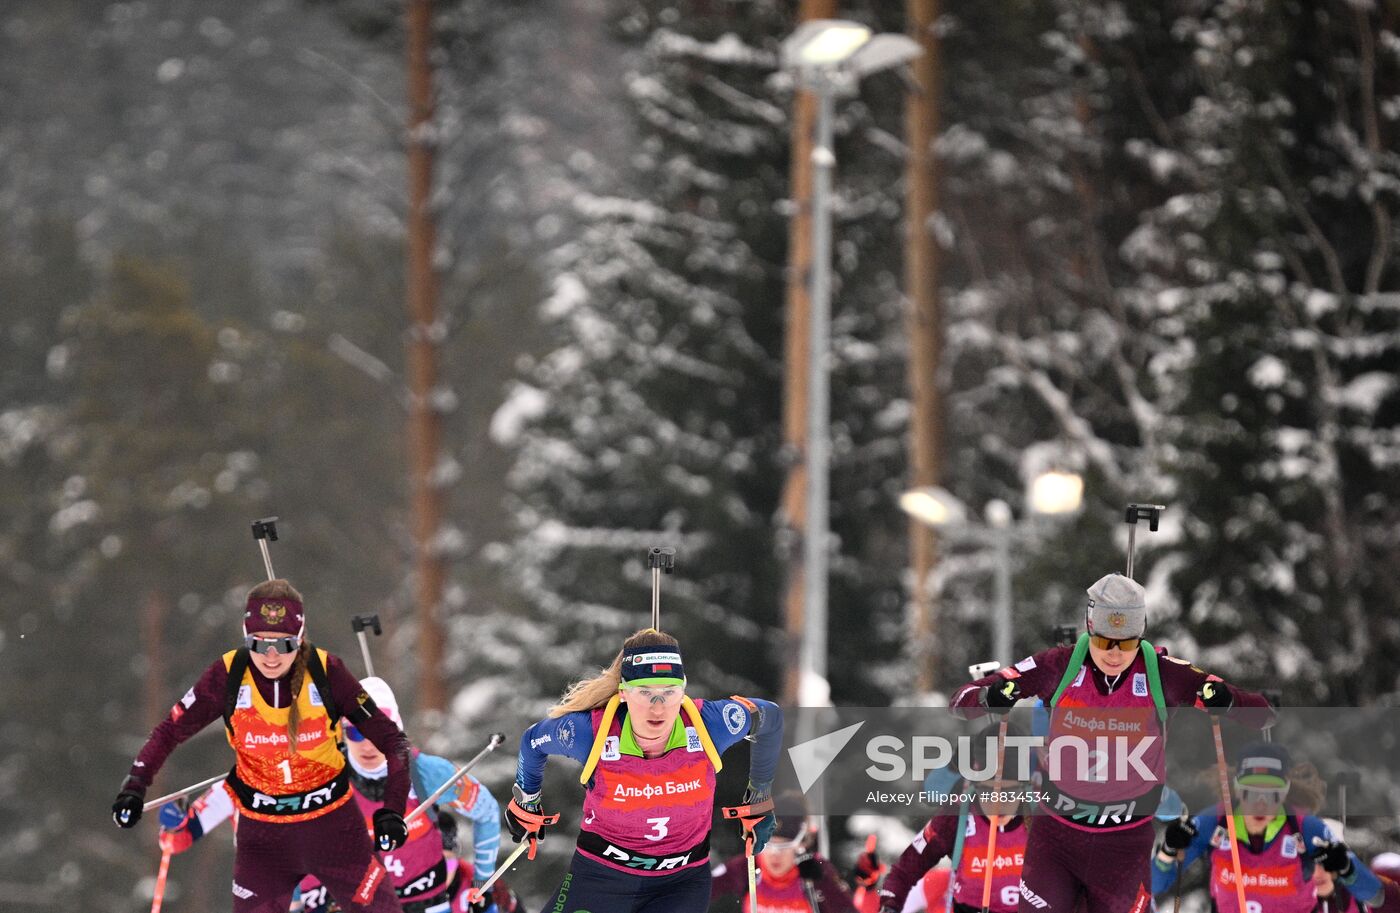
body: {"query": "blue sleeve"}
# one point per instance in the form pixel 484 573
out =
pixel 1363 885
pixel 728 721
pixel 483 812
pixel 1164 874
pixel 485 816
pixel 570 735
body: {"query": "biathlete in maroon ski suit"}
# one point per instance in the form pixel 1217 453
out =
pixel 427 874
pixel 964 839
pixel 786 871
pixel 297 813
pixel 1093 838
pixel 649 755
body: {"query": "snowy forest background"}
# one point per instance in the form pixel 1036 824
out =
pixel 1169 264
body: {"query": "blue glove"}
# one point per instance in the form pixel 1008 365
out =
pixel 764 827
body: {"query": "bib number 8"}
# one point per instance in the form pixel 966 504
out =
pixel 658 828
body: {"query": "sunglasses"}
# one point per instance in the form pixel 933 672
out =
pixel 283 645
pixel 1126 644
pixel 351 732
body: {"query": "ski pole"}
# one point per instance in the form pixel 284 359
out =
pixel 359 624
pixel 475 895
pixel 809 890
pixel 496 739
pixel 994 822
pixel 1176 905
pixel 1229 811
pixel 661 559
pixel 1344 779
pixel 749 816
pixel 1152 513
pixel 158 897
pixel 265 531
pixel 188 790
pixel 861 890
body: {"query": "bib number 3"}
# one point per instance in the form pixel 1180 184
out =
pixel 658 828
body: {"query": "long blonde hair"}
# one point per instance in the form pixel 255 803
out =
pixel 281 589
pixel 592 693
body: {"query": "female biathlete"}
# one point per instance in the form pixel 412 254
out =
pixel 788 870
pixel 1285 853
pixel 649 756
pixel 965 838
pixel 281 700
pixel 1095 837
pixel 426 873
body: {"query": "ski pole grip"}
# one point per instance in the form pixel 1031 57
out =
pixel 662 557
pixel 367 623
pixel 1152 513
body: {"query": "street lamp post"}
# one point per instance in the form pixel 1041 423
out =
pixel 829 57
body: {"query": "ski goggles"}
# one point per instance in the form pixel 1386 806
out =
pixel 1126 644
pixel 656 694
pixel 778 844
pixel 269 646
pixel 1261 796
pixel 351 732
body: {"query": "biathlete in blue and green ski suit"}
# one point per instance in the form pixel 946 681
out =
pixel 649 757
pixel 1279 846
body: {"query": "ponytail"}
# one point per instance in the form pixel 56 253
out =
pixel 592 693
pixel 294 686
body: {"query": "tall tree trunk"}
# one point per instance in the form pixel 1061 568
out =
pixel 922 112
pixel 795 357
pixel 424 432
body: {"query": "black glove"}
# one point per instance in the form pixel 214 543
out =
pixel 1179 835
pixel 126 811
pixel 809 868
pixel 1334 856
pixel 1000 697
pixel 390 830
pixel 1215 697
pixel 867 871
pixel 519 825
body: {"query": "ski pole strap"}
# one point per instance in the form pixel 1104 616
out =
pixel 749 815
pixel 531 822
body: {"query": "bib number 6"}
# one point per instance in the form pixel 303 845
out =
pixel 658 828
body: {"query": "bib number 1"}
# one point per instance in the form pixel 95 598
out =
pixel 286 767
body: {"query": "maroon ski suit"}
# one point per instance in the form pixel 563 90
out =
pixel 273 856
pixel 1105 862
